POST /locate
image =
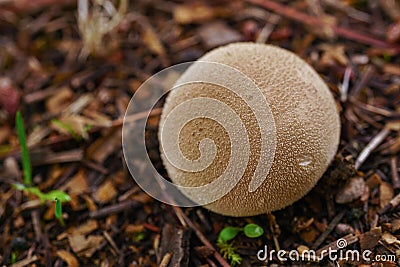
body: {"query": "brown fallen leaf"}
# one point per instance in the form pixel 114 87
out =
pixel 105 193
pixel 85 246
pixel 68 257
pixel 332 53
pixel 386 194
pixel 373 181
pixel 78 184
pixel 152 41
pixel 192 13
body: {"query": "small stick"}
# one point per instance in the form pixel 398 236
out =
pixel 328 230
pixel 113 209
pixel 395 174
pixel 344 88
pixel 371 146
pixel 268 28
pixel 36 225
pixel 112 243
pixel 166 259
pixel 366 76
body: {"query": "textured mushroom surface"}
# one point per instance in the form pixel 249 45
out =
pixel 301 118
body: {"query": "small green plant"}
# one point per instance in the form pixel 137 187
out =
pixel 57 195
pixel 228 249
pixel 26 161
pixel 58 212
pixel 13 257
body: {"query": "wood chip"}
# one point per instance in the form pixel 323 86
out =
pixel 386 194
pixel 368 240
pixel 78 184
pixel 390 239
pixel 68 257
pixel 105 193
pixel 192 13
pixel 85 246
pixel 105 146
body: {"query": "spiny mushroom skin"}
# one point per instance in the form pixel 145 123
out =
pixel 306 121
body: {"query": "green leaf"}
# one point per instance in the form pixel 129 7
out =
pixel 253 230
pixel 57 194
pixel 26 161
pixel 229 233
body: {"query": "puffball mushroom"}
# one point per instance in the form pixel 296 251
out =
pixel 292 127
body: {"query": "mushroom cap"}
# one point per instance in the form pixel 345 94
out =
pixel 302 119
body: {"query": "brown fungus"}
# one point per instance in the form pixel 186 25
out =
pixel 296 141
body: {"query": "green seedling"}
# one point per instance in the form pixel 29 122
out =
pixel 227 249
pixel 26 160
pixel 58 212
pixel 13 257
pixel 59 195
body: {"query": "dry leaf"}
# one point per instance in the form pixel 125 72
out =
pixel 153 42
pixel 105 193
pixel 185 14
pixel 85 246
pixel 386 194
pixel 373 181
pixel 309 235
pixel 333 53
pixel 78 184
pixel 68 257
